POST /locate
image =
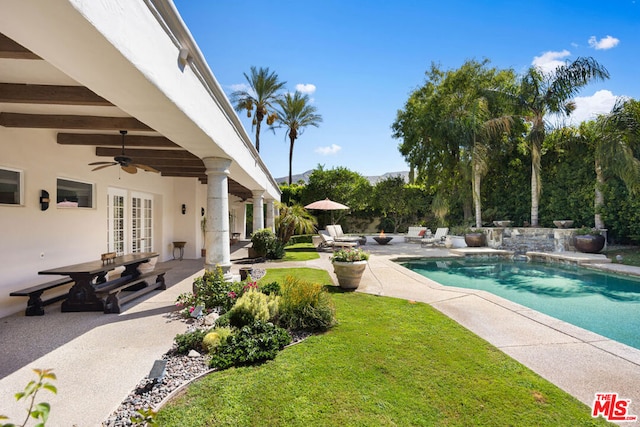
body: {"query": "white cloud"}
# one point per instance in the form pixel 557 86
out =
pixel 604 43
pixel 588 107
pixel 549 61
pixel 306 88
pixel 327 151
pixel 240 86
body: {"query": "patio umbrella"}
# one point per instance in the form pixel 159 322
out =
pixel 327 205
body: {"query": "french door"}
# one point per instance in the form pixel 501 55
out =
pixel 129 221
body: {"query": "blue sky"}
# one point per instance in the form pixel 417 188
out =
pixel 359 60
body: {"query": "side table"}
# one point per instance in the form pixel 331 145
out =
pixel 180 247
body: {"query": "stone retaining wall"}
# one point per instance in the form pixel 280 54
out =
pixel 525 239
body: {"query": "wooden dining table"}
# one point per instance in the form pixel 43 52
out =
pixel 88 275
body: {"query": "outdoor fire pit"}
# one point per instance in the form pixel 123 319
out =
pixel 382 239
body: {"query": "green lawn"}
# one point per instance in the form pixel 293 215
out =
pixel 388 362
pixel 630 256
pixel 300 252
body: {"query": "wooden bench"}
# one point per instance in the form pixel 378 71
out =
pixel 134 286
pixel 35 305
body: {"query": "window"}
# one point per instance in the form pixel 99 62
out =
pixel 11 187
pixel 74 194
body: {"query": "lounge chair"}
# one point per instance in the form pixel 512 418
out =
pixel 416 234
pixel 335 231
pixel 330 242
pixel 437 238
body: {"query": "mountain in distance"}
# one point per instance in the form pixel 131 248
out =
pixel 372 179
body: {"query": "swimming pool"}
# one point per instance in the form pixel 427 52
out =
pixel 606 304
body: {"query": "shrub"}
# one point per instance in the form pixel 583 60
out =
pixel 254 343
pixel 223 321
pixel 215 338
pixel 266 244
pixel 300 238
pixel 253 305
pixel 190 341
pixel 305 306
pixel 272 288
pixel 210 291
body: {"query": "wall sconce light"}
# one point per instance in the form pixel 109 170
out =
pixel 44 200
pixel 202 211
pixel 184 209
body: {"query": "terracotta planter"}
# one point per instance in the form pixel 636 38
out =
pixel 475 240
pixel 588 243
pixel 349 273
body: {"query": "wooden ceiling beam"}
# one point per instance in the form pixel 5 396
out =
pixel 146 153
pixel 48 121
pixel 169 163
pixel 114 140
pixel 12 50
pixel 50 94
pixel 179 169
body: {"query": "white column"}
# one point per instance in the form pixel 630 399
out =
pixel 258 210
pixel 270 220
pixel 217 228
pixel 244 221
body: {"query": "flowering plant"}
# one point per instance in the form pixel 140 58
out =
pixel 350 255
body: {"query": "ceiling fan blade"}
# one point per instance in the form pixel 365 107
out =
pixel 104 166
pixel 130 169
pixel 146 168
pixel 101 163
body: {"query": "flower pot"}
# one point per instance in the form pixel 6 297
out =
pixel 454 242
pixel 349 273
pixel 475 240
pixel 588 243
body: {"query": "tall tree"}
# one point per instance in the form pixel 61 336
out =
pixel 263 92
pixel 295 113
pixel 541 93
pixel 448 128
pixel 398 201
pixel 340 185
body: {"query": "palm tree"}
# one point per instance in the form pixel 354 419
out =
pixel 542 93
pixel 296 114
pixel 263 92
pixel 293 219
pixel 615 136
pixel 483 128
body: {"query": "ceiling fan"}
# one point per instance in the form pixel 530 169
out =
pixel 126 163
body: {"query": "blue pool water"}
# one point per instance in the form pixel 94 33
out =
pixel 602 303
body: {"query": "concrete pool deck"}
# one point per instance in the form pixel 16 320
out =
pixel 100 358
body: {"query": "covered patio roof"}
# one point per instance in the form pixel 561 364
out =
pixel 88 70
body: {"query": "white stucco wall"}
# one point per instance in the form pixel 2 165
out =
pixel 34 240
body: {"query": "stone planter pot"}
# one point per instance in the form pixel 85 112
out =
pixel 475 240
pixel 454 242
pixel 349 273
pixel 588 243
